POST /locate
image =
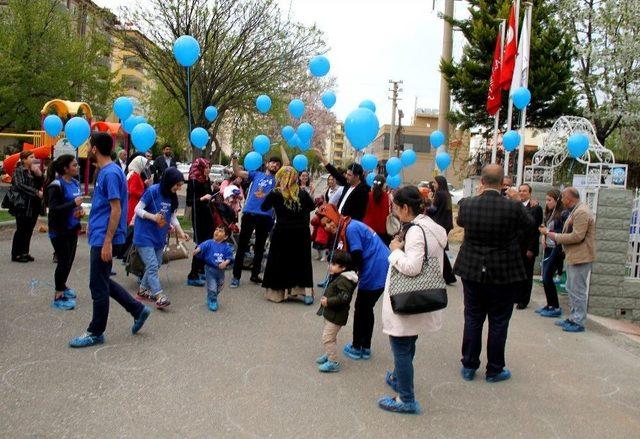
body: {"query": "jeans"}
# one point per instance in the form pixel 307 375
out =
pixel 65 247
pixel 404 349
pixel 549 267
pixel 22 235
pixel 330 339
pixel 363 318
pixel 102 287
pixel 152 258
pixel 262 224
pixel 577 289
pixel 496 302
pixel 215 281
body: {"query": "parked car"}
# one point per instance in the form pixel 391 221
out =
pixel 184 169
pixel 216 172
pixel 456 194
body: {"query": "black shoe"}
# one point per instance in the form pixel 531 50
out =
pixel 21 258
pixel 521 306
pixel 256 279
pixel 29 258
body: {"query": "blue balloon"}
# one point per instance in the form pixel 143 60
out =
pixel 211 113
pixel 252 161
pixel 328 99
pixel 129 124
pixel 577 144
pixel 521 98
pixel 510 140
pixel 394 181
pixel 408 157
pixel 296 108
pixel 143 137
pixel 199 137
pixel 186 50
pixel 263 103
pixel 77 131
pixel 369 162
pixel 294 141
pixel 443 160
pixel 300 162
pixel 394 166
pixel 52 125
pixel 368 104
pixel 123 107
pixel 319 66
pixel 361 127
pixel 305 145
pixel 287 133
pixel 436 138
pixel 262 144
pixel 305 131
pixel 370 177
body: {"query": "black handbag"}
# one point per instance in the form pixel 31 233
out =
pixel 425 292
pixel 133 262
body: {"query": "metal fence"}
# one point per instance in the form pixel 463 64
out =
pixel 633 256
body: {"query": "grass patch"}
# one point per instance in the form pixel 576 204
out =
pixel 4 216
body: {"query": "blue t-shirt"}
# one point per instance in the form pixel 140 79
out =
pixel 215 253
pixel 110 185
pixel 146 232
pixel 70 191
pixel 375 254
pixel 261 185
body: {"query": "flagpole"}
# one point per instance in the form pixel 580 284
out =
pixel 510 107
pixel 525 83
pixel 496 124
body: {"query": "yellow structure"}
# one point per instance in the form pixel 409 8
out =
pixel 337 148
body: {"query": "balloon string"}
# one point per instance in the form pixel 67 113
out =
pixel 189 102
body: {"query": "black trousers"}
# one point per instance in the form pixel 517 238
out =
pixel 524 292
pixel 363 318
pixel 65 247
pixel 482 301
pixel 22 235
pixel 262 225
pixel 447 270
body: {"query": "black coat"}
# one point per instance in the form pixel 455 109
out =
pixel 339 293
pixel 356 204
pixel 26 187
pixel 160 165
pixel 201 216
pixel 440 211
pixel 530 238
pixel 490 252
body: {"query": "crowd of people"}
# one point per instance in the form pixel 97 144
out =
pixel 363 233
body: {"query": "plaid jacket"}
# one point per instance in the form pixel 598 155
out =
pixel 490 252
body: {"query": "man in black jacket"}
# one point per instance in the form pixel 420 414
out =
pixel 355 195
pixel 491 269
pixel 161 163
pixel 529 245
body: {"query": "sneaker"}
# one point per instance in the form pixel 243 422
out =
pixel 468 374
pixel 390 379
pixel 202 276
pixel 562 323
pixel 539 310
pixel 235 283
pixel 329 366
pixel 195 282
pixel 137 323
pixel 213 305
pixel 256 279
pixel 308 300
pixel 573 327
pixel 144 295
pixel 351 352
pixel 366 353
pixel 63 303
pixel 85 340
pixel 162 301
pixel 390 404
pixel 322 359
pixel 70 293
pixel 551 312
pixel 502 376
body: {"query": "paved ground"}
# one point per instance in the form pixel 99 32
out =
pixel 247 371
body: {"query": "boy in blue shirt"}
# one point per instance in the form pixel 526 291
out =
pixel 217 254
pixel 107 228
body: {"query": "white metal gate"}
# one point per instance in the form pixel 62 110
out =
pixel 633 256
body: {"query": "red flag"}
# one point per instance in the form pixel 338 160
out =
pixel 494 99
pixel 510 52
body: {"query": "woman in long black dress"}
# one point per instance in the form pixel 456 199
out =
pixel 199 194
pixel 288 271
pixel 441 212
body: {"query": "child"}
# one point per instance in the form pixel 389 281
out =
pixel 217 254
pixel 335 307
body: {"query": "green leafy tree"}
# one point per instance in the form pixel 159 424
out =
pixel 550 77
pixel 42 58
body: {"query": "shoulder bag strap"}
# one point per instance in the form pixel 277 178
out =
pixel 426 247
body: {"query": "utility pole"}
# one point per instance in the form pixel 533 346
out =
pixel 394 106
pixel 445 95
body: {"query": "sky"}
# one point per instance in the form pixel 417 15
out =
pixel 371 42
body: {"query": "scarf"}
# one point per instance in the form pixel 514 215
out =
pixel 137 165
pixel 287 185
pixel 170 178
pixel 331 212
pixel 196 172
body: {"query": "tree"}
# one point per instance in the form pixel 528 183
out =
pixel 550 77
pixel 246 49
pixel 41 59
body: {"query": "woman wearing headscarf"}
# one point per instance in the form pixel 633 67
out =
pixel 441 212
pixel 155 211
pixel 199 194
pixel 136 184
pixel 288 271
